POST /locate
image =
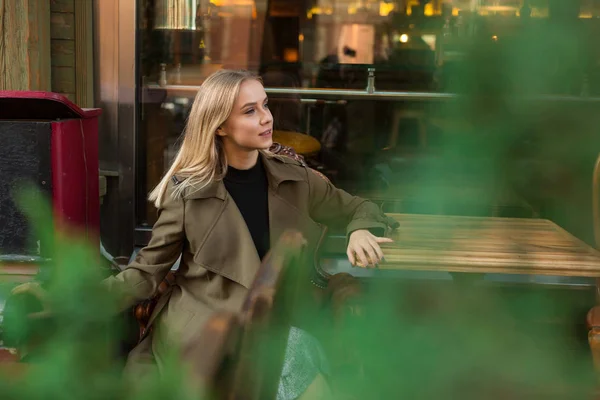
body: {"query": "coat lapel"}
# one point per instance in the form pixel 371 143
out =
pixel 226 248
pixel 282 214
pixel 239 236
pixel 284 204
pixel 225 245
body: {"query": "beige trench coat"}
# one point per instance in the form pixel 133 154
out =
pixel 218 257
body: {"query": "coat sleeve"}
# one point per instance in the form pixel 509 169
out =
pixel 333 206
pixel 141 278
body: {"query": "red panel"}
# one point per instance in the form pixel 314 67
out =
pixel 90 127
pixel 75 194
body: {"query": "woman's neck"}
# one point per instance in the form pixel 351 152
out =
pixel 241 159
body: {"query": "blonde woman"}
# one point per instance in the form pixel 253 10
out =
pixel 222 204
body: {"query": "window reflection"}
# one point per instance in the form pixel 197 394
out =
pixel 185 40
pixel 385 146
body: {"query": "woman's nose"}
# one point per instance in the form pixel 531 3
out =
pixel 267 117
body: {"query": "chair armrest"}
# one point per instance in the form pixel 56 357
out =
pixel 344 289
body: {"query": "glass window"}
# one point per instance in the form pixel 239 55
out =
pixel 433 106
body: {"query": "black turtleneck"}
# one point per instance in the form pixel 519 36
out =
pixel 249 190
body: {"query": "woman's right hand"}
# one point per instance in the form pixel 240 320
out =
pixel 34 289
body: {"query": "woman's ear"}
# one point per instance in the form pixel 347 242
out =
pixel 220 132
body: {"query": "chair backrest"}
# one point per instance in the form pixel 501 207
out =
pixel 211 358
pixel 241 356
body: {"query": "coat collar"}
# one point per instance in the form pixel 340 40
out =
pixel 215 189
pixel 278 169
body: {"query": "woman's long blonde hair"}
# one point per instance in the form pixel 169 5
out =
pixel 201 158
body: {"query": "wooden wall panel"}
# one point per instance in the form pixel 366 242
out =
pixel 48 45
pixel 62 79
pixel 13 30
pixel 62 26
pixel 63 53
pixel 38 49
pixel 84 54
pixel 63 47
pixel 24 45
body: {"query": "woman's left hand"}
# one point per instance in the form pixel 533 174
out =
pixel 364 250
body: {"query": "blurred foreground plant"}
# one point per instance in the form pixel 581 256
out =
pixel 69 329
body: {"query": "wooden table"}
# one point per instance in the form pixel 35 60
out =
pixel 469 248
pixel 488 245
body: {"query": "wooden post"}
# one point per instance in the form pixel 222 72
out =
pixel 62 36
pixel 72 50
pixel 24 45
pixel 84 54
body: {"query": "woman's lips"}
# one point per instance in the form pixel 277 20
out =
pixel 267 133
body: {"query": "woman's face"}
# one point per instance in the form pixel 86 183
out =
pixel 250 125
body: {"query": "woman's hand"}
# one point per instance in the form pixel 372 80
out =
pixel 364 250
pixel 34 289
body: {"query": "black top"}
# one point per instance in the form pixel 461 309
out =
pixel 249 190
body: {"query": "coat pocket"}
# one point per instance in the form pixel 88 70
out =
pixel 171 322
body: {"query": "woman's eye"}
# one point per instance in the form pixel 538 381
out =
pixel 266 105
pixel 250 111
